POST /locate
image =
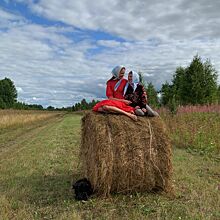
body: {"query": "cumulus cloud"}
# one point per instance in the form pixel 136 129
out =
pixel 109 43
pixel 59 65
pixel 137 20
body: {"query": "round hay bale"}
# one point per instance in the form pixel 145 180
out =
pixel 119 155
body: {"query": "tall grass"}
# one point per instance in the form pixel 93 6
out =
pixel 14 118
pixel 195 127
pixel 199 108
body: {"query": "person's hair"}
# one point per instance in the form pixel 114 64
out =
pixel 113 77
pixel 122 68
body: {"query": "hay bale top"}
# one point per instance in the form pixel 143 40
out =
pixel 121 155
pixel 129 129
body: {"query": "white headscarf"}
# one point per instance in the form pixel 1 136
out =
pixel 115 73
pixel 134 83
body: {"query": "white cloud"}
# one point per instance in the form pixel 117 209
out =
pixel 108 43
pixel 139 20
pixel 19 90
pixel 47 63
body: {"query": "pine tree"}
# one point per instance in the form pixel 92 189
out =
pixel 84 104
pixel 167 93
pixel 142 81
pixel 195 84
pixel 202 82
pixel 151 92
pixel 152 95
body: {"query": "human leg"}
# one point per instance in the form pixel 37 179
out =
pixel 151 112
pixel 100 109
pixel 139 112
pixel 114 109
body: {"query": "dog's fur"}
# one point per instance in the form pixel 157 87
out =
pixel 83 189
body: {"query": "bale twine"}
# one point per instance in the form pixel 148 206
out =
pixel 119 155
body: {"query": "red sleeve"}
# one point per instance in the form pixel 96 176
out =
pixel 109 89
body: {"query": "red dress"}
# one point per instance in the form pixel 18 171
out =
pixel 119 93
pixel 119 104
pixel 111 93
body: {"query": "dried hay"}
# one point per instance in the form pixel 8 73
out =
pixel 119 155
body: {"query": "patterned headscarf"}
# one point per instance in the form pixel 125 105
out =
pixel 115 73
pixel 135 81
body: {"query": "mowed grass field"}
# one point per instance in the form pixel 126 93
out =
pixel 39 161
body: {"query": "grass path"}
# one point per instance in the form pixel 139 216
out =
pixel 38 165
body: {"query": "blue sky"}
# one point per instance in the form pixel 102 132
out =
pixel 58 52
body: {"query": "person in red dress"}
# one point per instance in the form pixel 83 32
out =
pixel 115 93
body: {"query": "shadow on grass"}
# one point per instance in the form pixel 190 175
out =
pixel 42 190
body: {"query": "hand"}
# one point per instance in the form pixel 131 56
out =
pixel 127 102
pixel 144 109
pixel 137 107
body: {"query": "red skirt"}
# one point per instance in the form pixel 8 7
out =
pixel 119 104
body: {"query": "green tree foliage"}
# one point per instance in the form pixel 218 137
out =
pixel 24 106
pixel 8 97
pixel 167 93
pixel 219 94
pixel 151 91
pixel 2 103
pixel 84 105
pixel 195 84
pixel 50 108
pixel 142 81
pixel 152 95
pixel 8 93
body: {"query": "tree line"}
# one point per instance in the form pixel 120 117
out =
pixel 191 85
pixel 8 99
pixel 195 84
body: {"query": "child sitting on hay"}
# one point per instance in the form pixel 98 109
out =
pixel 136 93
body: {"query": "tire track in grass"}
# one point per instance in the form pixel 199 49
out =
pixel 8 135
pixel 21 138
pixel 37 177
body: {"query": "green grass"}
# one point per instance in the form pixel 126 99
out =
pixel 197 131
pixel 38 166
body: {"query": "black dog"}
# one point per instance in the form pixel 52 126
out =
pixel 83 189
